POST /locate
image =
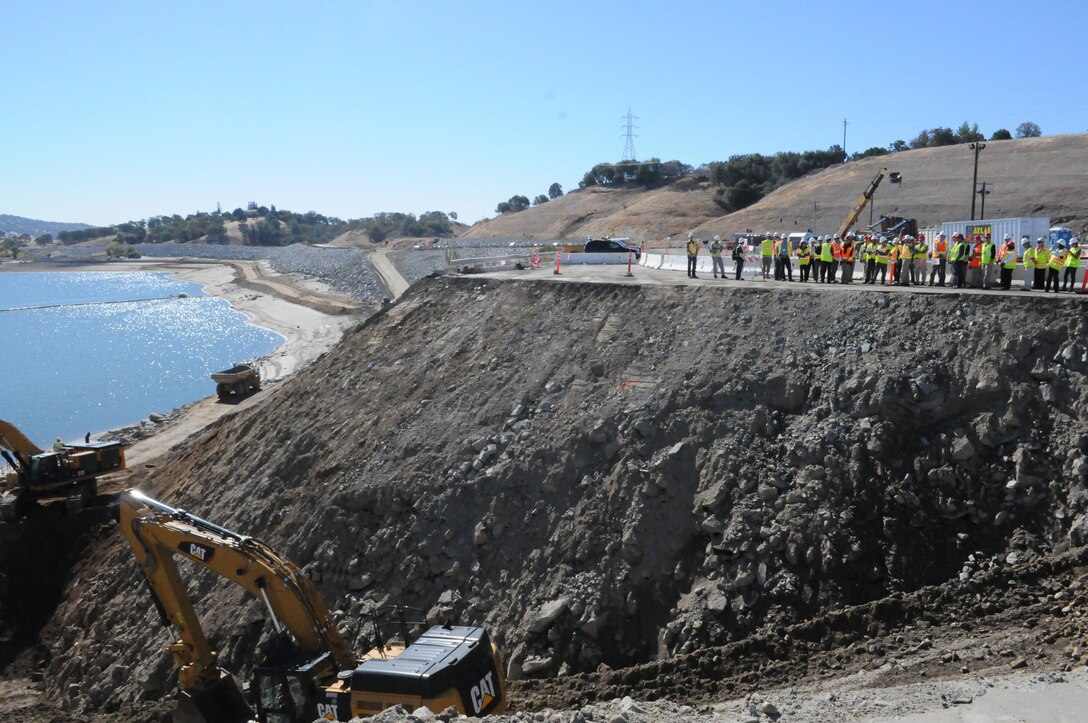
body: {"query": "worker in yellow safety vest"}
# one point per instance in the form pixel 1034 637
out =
pixel 693 254
pixel 804 259
pixel 921 251
pixel 716 248
pixel 766 254
pixel 1055 264
pixel 1042 260
pixel 870 260
pixel 1007 258
pixel 826 259
pixel 989 261
pixel 1028 255
pixel 1072 263
pixel 883 258
pixel 958 258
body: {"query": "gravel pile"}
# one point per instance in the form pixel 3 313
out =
pixel 345 270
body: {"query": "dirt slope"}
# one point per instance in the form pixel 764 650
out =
pixel 644 215
pixel 603 486
pixel 1028 177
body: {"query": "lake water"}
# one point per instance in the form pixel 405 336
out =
pixel 90 351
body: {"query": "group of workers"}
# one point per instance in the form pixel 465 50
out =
pixel 902 261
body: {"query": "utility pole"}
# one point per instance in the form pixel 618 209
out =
pixel 984 193
pixel 977 148
pixel 844 156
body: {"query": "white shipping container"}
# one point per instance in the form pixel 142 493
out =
pixel 1031 226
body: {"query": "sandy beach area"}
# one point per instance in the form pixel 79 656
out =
pixel 310 318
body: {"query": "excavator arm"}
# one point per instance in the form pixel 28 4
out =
pixel 14 440
pixel 864 198
pixel 17 449
pixel 159 534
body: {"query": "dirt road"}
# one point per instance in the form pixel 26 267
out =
pixel 394 283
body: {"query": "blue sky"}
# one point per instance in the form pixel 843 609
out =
pixel 114 111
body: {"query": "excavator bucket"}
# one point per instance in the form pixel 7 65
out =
pixel 220 702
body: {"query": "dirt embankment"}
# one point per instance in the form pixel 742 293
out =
pixel 1027 177
pixel 623 476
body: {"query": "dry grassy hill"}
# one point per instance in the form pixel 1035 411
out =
pixel 1034 176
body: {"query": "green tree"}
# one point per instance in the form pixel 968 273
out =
pixel 742 194
pixel 649 172
pixel 1001 134
pixel 540 199
pixel 555 191
pixel 452 215
pixel 897 146
pixel 44 239
pixel 1028 129
pixel 11 246
pixel 968 133
pixel 869 152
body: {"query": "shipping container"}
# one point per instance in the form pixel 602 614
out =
pixel 1031 226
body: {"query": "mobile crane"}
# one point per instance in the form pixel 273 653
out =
pixel 866 196
pixel 68 471
pixel 308 671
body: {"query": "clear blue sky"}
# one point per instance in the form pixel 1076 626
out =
pixel 114 111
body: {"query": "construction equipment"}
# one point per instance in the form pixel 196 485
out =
pixel 238 381
pixel 866 196
pixel 67 471
pixel 308 672
pixel 893 226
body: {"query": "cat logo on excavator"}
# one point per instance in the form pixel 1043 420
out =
pixel 483 693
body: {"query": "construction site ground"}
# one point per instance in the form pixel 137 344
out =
pixel 668 498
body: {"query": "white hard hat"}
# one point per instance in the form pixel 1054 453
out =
pixel 1008 237
pixel 836 235
pixel 942 234
pixel 717 237
pixel 1041 239
pixel 1074 240
pixel 691 234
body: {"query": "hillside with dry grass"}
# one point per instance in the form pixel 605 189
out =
pixel 1027 177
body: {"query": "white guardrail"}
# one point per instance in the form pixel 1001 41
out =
pixel 678 261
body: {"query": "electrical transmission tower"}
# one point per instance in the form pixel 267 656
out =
pixel 629 144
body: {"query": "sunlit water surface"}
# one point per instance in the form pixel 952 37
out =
pixel 76 361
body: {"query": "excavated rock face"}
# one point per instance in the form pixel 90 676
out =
pixel 606 474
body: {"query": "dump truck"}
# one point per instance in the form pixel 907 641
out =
pixel 307 670
pixel 238 381
pixel 69 472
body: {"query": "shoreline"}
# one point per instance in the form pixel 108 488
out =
pixel 267 300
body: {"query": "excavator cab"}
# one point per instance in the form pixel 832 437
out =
pixel 296 693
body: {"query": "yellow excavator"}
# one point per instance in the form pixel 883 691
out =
pixel 867 196
pixel 67 471
pixel 308 672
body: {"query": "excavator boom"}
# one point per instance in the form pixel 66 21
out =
pixel 864 198
pixel 15 441
pixel 309 672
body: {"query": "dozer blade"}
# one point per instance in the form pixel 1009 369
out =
pixel 220 702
